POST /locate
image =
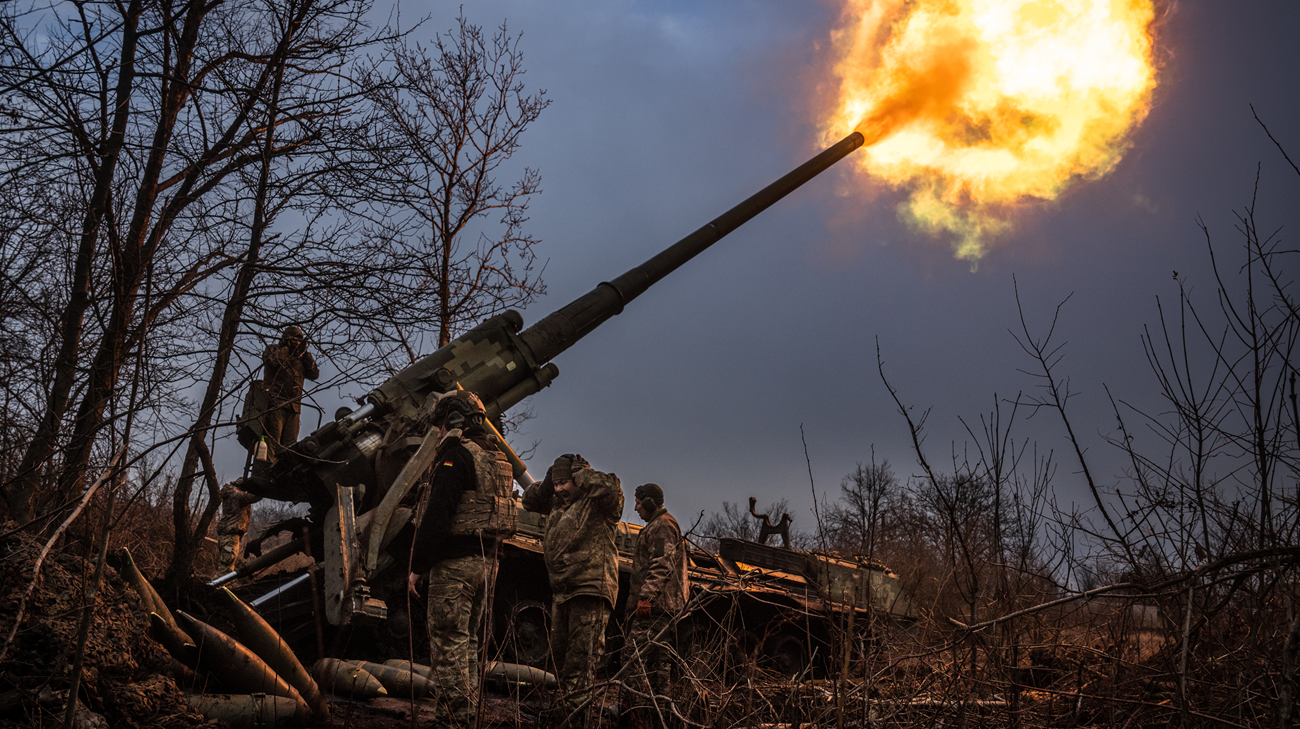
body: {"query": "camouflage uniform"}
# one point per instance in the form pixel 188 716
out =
pixel 284 366
pixel 650 672
pixel 659 566
pixel 457 592
pixel 582 562
pixel 461 569
pixel 658 578
pixel 577 645
pixel 236 514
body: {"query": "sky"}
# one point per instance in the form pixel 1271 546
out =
pixel 665 114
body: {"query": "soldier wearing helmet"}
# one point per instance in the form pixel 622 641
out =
pixel 236 514
pixel 583 507
pixel 465 511
pixel 284 367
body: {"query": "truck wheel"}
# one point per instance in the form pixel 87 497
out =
pixel 742 650
pixel 527 634
pixel 786 655
pixel 692 645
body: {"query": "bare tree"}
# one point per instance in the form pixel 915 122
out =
pixel 141 116
pixel 1200 527
pixel 301 113
pixel 455 114
pixel 865 495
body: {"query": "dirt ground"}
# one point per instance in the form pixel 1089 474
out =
pixel 125 680
pixel 497 710
pixel 128 680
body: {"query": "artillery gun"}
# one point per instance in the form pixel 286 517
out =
pixel 355 510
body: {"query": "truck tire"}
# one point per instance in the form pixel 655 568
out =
pixel 785 654
pixel 526 637
pixel 742 655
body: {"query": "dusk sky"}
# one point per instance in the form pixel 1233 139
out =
pixel 665 114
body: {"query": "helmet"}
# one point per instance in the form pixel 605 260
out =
pixel 292 338
pixel 458 409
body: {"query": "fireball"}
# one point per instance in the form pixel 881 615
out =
pixel 978 107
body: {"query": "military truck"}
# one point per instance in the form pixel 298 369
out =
pixel 767 607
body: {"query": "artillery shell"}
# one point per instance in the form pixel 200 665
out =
pixel 238 668
pixel 262 639
pixel 242 711
pixel 399 682
pixel 346 679
pixel 416 668
pixel 153 602
pixel 172 638
pixel 517 673
pixel 185 676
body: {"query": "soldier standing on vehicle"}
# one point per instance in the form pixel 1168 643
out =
pixel 583 507
pixel 284 367
pixel 458 529
pixel 657 593
pixel 236 514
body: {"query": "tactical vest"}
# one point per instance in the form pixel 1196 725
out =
pixel 489 508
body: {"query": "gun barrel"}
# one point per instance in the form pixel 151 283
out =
pixel 560 330
pixel 496 360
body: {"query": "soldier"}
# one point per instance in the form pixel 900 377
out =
pixel 457 533
pixel 657 593
pixel 583 507
pixel 236 514
pixel 284 366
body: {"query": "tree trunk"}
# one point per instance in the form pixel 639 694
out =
pixel 187 541
pixel 136 250
pixel 19 495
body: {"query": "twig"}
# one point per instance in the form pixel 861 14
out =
pixel 811 484
pixel 106 528
pixel 1043 606
pixel 672 705
pixel 1143 589
pixel 91 597
pixel 1047 357
pixel 1270 136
